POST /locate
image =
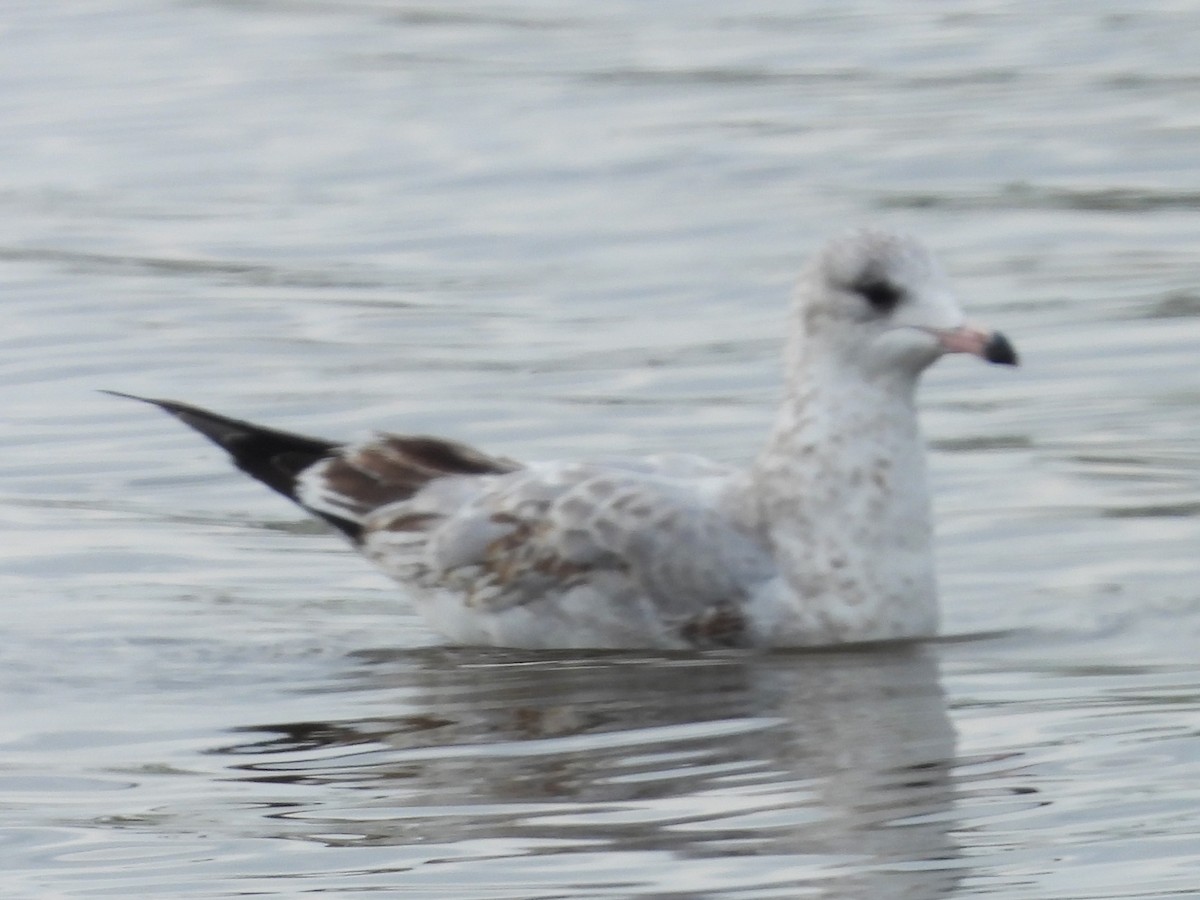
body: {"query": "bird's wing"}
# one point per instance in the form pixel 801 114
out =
pixel 341 483
pixel 613 546
pixel 355 480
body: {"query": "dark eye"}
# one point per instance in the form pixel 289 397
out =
pixel 882 295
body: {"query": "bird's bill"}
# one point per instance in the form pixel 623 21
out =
pixel 990 345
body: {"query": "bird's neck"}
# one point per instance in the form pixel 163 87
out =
pixel 842 498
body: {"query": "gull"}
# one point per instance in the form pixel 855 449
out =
pixel 825 537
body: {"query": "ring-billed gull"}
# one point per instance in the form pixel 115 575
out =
pixel 826 537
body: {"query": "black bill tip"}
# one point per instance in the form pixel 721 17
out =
pixel 999 350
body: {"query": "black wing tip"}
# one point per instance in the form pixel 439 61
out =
pixel 174 407
pixel 124 396
pixel 273 457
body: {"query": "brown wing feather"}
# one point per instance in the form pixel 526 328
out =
pixel 361 478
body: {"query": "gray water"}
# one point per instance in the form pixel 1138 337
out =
pixel 560 229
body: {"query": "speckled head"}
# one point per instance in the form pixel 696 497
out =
pixel 880 301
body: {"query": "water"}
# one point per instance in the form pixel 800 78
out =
pixel 557 229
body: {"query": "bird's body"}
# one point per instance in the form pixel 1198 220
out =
pixel 825 538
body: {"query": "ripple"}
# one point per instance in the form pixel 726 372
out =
pixel 1033 196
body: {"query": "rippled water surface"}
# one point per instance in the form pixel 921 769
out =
pixel 569 228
